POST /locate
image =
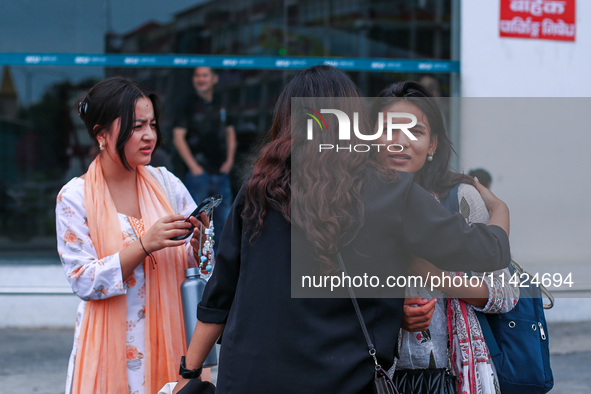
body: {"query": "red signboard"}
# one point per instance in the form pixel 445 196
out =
pixel 538 19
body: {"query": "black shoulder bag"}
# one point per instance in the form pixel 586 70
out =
pixel 384 384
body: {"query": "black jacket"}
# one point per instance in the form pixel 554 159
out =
pixel 274 343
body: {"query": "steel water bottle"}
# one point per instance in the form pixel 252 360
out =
pixel 191 294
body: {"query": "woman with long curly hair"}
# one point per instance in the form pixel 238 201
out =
pixel 299 207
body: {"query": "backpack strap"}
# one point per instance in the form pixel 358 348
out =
pixel 489 337
pixel 450 202
pixel 161 175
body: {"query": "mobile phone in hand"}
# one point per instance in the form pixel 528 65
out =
pixel 206 206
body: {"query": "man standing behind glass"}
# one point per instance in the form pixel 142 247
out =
pixel 207 144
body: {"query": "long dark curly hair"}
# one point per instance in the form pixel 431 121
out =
pixel 435 176
pixel 318 192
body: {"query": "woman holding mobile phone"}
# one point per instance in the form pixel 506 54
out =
pixel 114 230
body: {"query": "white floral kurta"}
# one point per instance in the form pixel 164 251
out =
pixel 94 279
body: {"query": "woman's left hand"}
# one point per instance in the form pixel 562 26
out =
pixel 199 227
pixel 181 383
pixel 417 313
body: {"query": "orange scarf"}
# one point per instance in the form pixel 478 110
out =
pixel 101 364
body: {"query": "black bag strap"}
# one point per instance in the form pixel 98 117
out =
pixel 370 345
pixel 384 383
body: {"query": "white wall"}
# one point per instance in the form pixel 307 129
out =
pixel 538 152
pixel 543 173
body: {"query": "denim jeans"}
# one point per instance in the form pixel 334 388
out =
pixel 208 185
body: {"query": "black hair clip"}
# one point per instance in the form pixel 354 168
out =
pixel 82 107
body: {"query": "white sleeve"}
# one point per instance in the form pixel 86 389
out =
pixel 91 278
pixel 185 205
pixel 184 202
pixel 502 297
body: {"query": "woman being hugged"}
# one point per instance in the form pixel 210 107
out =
pixel 114 230
pixel 428 325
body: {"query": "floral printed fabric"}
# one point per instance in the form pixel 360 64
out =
pixel 92 278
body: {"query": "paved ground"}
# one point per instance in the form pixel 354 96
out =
pixel 34 361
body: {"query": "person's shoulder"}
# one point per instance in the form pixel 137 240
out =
pixel 240 199
pixel 470 194
pixel 163 169
pixel 76 183
pixel 190 95
pixel 188 100
pixel 218 100
pixel 72 191
pixel 244 188
pixel 174 180
pixel 381 187
pixel 472 205
pixel 466 190
pixel 399 178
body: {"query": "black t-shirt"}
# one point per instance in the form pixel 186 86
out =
pixel 206 130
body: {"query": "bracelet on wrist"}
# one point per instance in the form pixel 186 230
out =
pixel 141 243
pixel 154 262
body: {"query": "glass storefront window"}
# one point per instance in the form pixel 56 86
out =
pixel 43 143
